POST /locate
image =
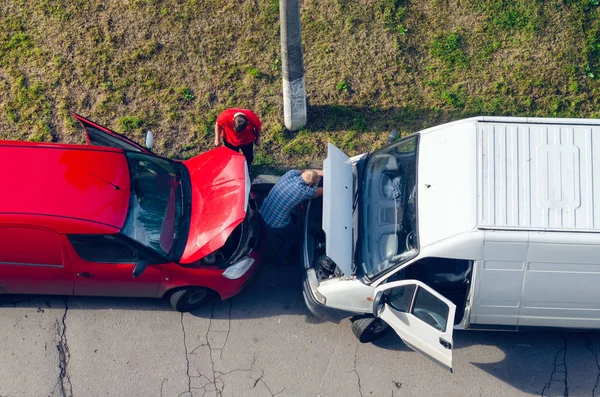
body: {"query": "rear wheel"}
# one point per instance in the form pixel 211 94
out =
pixel 188 299
pixel 368 329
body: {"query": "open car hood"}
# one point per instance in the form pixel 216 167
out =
pixel 337 208
pixel 220 193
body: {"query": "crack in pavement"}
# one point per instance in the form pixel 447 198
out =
pixel 212 349
pixel 161 386
pixel 260 379
pixel 193 351
pixel 559 352
pixel 212 362
pixel 356 372
pixel 228 328
pixel 212 381
pixel 64 379
pixel 268 388
pixel 215 383
pixel 590 347
pixel 187 358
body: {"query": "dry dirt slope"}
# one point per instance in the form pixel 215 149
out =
pixel 371 65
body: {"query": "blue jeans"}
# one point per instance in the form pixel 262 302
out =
pixel 279 241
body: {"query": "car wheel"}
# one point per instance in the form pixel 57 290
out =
pixel 367 329
pixel 188 299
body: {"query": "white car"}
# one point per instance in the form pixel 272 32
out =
pixel 483 223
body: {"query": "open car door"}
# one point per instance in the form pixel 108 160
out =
pixel 422 317
pixel 102 136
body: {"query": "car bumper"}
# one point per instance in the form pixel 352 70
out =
pixel 255 240
pixel 230 288
pixel 317 306
pixel 318 309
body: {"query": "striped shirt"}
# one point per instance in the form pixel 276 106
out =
pixel 289 191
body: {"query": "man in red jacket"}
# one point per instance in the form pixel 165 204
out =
pixel 240 129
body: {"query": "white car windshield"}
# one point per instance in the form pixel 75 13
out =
pixel 389 212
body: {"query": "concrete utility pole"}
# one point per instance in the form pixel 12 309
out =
pixel 294 91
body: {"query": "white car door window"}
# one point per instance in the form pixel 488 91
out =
pixel 422 317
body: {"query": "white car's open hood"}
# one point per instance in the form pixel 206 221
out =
pixel 337 208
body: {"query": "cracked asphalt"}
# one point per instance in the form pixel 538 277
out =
pixel 263 343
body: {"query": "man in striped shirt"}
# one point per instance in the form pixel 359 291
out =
pixel 291 190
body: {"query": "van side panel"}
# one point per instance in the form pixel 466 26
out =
pixel 499 280
pixel 538 176
pixel 562 281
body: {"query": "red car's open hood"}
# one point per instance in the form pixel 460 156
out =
pixel 219 197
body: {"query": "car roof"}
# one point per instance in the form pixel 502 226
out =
pixel 69 188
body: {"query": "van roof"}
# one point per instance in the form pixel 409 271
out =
pixel 70 188
pixel 538 174
pixel 508 173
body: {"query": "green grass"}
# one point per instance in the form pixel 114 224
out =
pixel 130 123
pixel 371 66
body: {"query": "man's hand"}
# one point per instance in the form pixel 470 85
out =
pixel 257 141
pixel 217 142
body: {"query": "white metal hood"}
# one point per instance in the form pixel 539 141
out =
pixel 337 208
pixel 447 181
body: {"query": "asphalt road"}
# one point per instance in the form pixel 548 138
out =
pixel 263 343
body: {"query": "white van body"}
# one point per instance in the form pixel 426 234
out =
pixel 506 218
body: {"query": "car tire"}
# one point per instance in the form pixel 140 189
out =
pixel 188 299
pixel 368 329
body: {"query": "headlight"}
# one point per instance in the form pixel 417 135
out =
pixel 239 269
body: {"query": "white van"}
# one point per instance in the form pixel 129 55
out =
pixel 483 223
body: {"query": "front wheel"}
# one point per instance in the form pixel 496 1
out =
pixel 188 299
pixel 368 329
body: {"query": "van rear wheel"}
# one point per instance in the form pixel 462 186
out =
pixel 188 299
pixel 368 329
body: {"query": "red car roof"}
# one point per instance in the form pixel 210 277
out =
pixel 70 188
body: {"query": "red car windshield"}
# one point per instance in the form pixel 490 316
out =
pixel 156 204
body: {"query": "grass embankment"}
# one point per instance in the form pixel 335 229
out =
pixel 371 65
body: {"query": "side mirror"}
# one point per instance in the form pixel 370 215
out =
pixel 149 139
pixel 377 303
pixel 139 268
pixel 392 136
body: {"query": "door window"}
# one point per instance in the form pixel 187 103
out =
pixel 421 316
pixel 102 136
pixel 425 306
pixel 400 298
pixel 430 310
pixel 102 248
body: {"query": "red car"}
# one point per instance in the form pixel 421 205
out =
pixel 113 219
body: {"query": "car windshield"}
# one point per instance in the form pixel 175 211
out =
pixel 388 203
pixel 156 203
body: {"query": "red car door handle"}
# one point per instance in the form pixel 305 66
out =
pixel 85 274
